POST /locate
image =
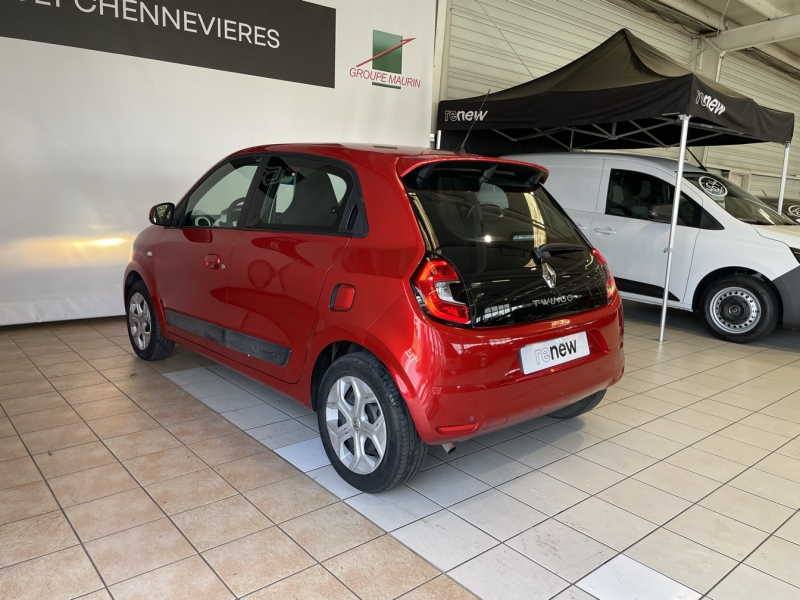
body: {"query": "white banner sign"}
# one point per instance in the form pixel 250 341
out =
pixel 91 139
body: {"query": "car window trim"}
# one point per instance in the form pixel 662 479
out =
pixel 354 202
pixel 180 209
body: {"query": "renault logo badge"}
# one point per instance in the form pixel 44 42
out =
pixel 549 275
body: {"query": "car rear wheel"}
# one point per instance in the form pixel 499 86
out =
pixel 579 407
pixel 740 309
pixel 144 330
pixel 366 429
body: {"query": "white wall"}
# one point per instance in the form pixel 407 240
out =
pixel 90 140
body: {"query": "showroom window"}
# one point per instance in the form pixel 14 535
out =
pixel 640 196
pixel 302 195
pixel 219 199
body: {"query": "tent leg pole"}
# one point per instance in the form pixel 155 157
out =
pixel 674 222
pixel 438 139
pixel 783 176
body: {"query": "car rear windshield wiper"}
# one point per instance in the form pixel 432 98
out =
pixel 541 253
pixel 561 248
pixel 544 251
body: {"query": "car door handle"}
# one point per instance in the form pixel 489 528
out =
pixel 214 262
pixel 582 227
pixel 605 231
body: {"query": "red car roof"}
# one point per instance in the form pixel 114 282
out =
pixel 408 157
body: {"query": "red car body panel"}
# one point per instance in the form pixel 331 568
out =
pixel 455 376
pixel 274 290
pixel 186 285
pixel 186 281
pixel 142 264
pixel 279 286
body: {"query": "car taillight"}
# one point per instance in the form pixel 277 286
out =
pixel 437 285
pixel 611 287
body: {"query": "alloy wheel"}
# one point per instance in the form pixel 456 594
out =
pixel 356 425
pixel 140 322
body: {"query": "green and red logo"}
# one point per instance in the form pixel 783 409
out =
pixel 387 62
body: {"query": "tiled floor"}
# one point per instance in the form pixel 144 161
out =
pixel 115 482
pixel 683 483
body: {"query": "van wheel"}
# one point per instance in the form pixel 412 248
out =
pixel 579 407
pixel 144 330
pixel 740 309
pixel 366 429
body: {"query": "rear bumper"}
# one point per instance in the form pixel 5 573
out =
pixel 461 382
pixel 788 285
pixel 501 404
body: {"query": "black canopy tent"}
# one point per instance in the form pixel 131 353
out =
pixel 624 94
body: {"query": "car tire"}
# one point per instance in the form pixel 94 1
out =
pixel 360 409
pixel 579 407
pixel 144 330
pixel 740 309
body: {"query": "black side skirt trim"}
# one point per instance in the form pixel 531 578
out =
pixel 240 342
pixel 643 289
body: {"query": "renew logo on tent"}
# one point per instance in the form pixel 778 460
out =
pixel 712 104
pixel 465 115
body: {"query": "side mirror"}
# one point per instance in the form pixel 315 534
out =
pixel 161 214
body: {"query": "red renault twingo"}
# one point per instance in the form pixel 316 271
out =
pixel 408 296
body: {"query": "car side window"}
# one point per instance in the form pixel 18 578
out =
pixel 640 196
pixel 219 199
pixel 301 194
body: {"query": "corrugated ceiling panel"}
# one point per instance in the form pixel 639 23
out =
pixel 774 91
pixel 761 185
pixel 496 44
pixel 534 37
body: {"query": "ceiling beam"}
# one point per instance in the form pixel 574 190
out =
pixel 700 12
pixel 712 20
pixel 759 34
pixel 766 8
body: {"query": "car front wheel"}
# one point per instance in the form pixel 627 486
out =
pixel 740 309
pixel 144 330
pixel 366 429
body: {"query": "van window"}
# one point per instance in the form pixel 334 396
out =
pixel 736 201
pixel 640 196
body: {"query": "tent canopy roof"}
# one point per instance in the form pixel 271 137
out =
pixel 623 94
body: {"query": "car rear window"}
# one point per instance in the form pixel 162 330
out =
pixel 468 203
pixel 472 202
pixel 494 222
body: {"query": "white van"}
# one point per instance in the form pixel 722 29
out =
pixel 736 259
